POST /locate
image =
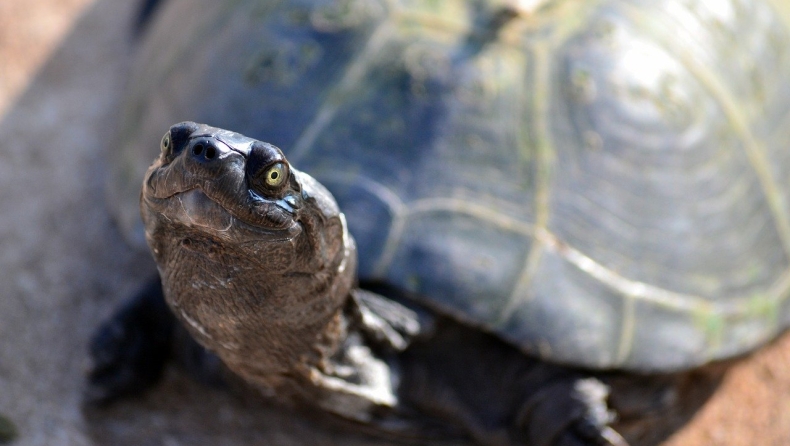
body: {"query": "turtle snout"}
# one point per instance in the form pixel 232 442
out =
pixel 205 150
pixel 210 164
pixel 206 159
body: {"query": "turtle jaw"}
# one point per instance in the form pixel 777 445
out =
pixel 195 210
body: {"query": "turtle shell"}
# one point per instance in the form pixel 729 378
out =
pixel 600 183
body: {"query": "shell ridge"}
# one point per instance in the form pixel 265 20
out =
pixel 544 161
pixel 348 81
pixel 778 292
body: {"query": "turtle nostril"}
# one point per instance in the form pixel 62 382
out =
pixel 205 151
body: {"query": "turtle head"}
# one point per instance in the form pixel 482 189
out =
pixel 245 244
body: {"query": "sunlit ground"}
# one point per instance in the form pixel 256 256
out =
pixel 29 31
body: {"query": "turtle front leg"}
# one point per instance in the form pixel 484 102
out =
pixel 361 378
pixel 502 397
pixel 356 383
pixel 129 350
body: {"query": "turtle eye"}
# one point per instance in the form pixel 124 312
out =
pixel 275 175
pixel 268 172
pixel 166 144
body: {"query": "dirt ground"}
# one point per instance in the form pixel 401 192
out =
pixel 63 265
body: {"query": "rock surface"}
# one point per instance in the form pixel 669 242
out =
pixel 64 266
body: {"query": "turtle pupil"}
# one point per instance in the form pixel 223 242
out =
pixel 274 175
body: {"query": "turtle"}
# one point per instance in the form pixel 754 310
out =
pixel 540 216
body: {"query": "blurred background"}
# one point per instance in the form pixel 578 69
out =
pixel 63 264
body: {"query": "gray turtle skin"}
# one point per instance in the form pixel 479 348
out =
pixel 257 273
pixel 600 184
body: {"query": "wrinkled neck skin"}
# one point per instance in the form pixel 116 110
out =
pixel 268 301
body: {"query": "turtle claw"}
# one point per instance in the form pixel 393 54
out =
pixel 570 413
pixel 128 352
pixel 387 323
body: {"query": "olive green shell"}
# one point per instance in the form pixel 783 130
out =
pixel 601 183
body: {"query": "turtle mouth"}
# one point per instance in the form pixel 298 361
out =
pixel 193 208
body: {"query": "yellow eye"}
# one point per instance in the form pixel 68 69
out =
pixel 275 175
pixel 165 144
